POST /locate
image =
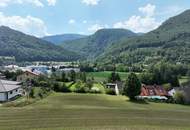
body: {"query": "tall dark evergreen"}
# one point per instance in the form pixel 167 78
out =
pixel 114 77
pixel 73 75
pixel 132 87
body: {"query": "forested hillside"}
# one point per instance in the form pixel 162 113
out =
pixel 170 42
pixel 96 44
pixel 28 48
pixel 58 39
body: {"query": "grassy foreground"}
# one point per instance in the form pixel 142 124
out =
pixel 94 112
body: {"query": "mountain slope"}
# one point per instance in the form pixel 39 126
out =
pixel 28 48
pixel 57 39
pixel 170 42
pixel 97 43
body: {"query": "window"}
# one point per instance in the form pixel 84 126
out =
pixel 11 92
pixel 16 90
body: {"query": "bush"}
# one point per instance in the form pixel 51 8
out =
pixel 179 97
pixel 41 92
pixel 95 90
pixel 43 84
pixel 58 88
pixel 64 89
pixel 81 90
pixel 110 92
pixel 31 94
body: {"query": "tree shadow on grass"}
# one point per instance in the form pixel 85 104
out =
pixel 139 101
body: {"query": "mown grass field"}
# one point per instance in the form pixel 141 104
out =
pixel 94 112
pixel 103 76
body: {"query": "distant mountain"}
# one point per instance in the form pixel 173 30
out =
pixel 29 48
pixel 96 44
pixel 57 39
pixel 170 42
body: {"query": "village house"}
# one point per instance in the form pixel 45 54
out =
pixel 9 90
pixel 27 76
pixel 153 92
pixel 117 87
pixel 185 90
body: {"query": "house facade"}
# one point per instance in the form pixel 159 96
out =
pixel 117 87
pixel 113 87
pixel 9 90
pixel 27 76
pixel 185 90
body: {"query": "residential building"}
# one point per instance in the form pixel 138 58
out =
pixel 27 76
pixel 117 87
pixel 9 90
pixel 153 92
pixel 185 90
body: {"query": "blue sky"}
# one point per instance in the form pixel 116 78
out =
pixel 49 17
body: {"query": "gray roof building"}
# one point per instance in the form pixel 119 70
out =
pixel 6 86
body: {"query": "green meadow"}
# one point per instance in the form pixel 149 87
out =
pixel 94 112
pixel 103 76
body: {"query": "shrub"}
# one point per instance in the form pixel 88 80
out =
pixel 95 90
pixel 43 84
pixel 58 88
pixel 179 97
pixel 81 90
pixel 110 92
pixel 64 89
pixel 89 83
pixel 31 94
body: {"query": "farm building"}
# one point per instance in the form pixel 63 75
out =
pixel 9 90
pixel 153 92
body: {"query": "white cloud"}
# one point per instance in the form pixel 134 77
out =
pixel 51 2
pixel 38 3
pixel 96 27
pixel 144 23
pixel 4 3
pixel 91 2
pixel 29 25
pixel 148 10
pixel 71 21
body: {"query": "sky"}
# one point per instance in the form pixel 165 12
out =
pixel 50 17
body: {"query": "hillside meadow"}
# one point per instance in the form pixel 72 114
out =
pixel 94 112
pixel 103 75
